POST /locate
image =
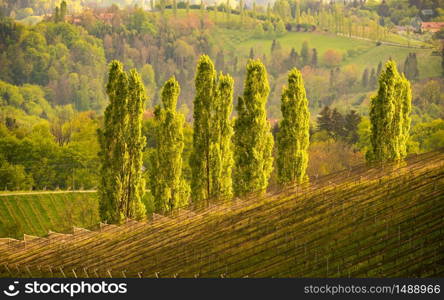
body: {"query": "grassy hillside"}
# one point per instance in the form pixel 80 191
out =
pixel 368 54
pixel 37 213
pixel 361 222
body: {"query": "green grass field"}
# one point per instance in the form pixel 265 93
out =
pixel 240 41
pixel 362 222
pixel 36 214
pixel 368 54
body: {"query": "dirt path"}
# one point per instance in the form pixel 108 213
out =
pixel 44 192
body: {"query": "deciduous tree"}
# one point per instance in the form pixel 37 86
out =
pixel 253 141
pixel 293 135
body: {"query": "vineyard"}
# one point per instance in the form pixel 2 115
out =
pixel 363 222
pixel 37 213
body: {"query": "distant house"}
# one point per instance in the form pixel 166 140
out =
pixel 427 12
pixel 431 26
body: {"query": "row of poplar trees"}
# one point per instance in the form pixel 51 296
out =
pixel 235 157
pixel 229 157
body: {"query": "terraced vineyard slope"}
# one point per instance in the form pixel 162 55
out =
pixel 37 213
pixel 362 222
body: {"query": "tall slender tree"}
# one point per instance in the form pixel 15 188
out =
pixel 167 183
pixel 113 147
pixel 135 187
pixel 390 116
pixel 365 78
pixel 63 11
pixel 314 58
pixel 121 144
pixel 305 54
pixel 211 159
pixel 253 141
pixel 293 135
pixel 205 81
pixel 221 152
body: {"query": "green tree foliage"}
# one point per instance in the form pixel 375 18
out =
pixel 62 58
pixel 280 28
pixel 372 81
pixel 314 58
pixel 63 11
pixel 305 53
pixel 352 121
pixel 390 116
pixel 365 78
pixel 168 186
pixel 221 148
pixel 411 70
pixel 59 153
pixel 135 185
pixel 293 59
pixel 28 98
pixel 211 158
pixel 293 135
pixel 253 141
pixel 205 81
pixel 121 143
pixel 429 135
pixel 14 177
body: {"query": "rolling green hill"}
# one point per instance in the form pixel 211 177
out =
pixel 368 54
pixel 363 222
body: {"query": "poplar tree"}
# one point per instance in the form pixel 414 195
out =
pixel 168 186
pixel 293 135
pixel 253 141
pixel 121 143
pixel 205 81
pixel 113 147
pixel 211 159
pixel 63 11
pixel 221 152
pixel 135 142
pixel 390 116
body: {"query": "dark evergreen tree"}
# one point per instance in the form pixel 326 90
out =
pixel 314 58
pixel 411 70
pixel 324 119
pixel 352 120
pixel 63 11
pixel 365 78
pixel 379 69
pixel 251 55
pixel 338 124
pixel 372 80
pixel 293 59
pixel 305 54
